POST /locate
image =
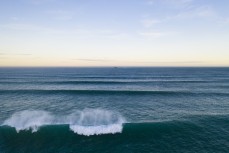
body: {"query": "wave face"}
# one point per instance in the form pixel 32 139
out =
pixel 86 122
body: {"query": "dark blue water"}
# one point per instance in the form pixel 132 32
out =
pixel 64 110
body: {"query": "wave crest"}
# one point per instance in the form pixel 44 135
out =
pixel 96 121
pixel 86 122
pixel 26 120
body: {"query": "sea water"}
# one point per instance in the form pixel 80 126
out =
pixel 71 110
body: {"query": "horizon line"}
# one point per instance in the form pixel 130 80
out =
pixel 114 66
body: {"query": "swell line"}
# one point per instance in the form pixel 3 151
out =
pixel 92 82
pixel 119 92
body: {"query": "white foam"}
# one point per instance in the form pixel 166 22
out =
pixel 86 122
pixel 96 130
pixel 95 122
pixel 26 120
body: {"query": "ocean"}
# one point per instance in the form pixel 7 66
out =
pixel 114 110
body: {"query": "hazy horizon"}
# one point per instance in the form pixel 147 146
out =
pixel 103 33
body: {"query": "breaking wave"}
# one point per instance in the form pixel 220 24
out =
pixel 86 122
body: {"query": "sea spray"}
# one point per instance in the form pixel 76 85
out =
pixel 27 119
pixel 96 121
pixel 85 122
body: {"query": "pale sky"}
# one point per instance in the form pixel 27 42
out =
pixel 114 32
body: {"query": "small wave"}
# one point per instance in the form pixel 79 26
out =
pixel 86 122
pixel 114 92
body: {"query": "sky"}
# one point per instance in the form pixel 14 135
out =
pixel 114 33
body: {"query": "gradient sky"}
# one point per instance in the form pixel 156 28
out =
pixel 114 32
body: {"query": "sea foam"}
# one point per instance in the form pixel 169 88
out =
pixel 95 121
pixel 26 120
pixel 85 122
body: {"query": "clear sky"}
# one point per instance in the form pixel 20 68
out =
pixel 114 32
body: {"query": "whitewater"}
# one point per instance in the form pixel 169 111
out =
pixel 86 122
